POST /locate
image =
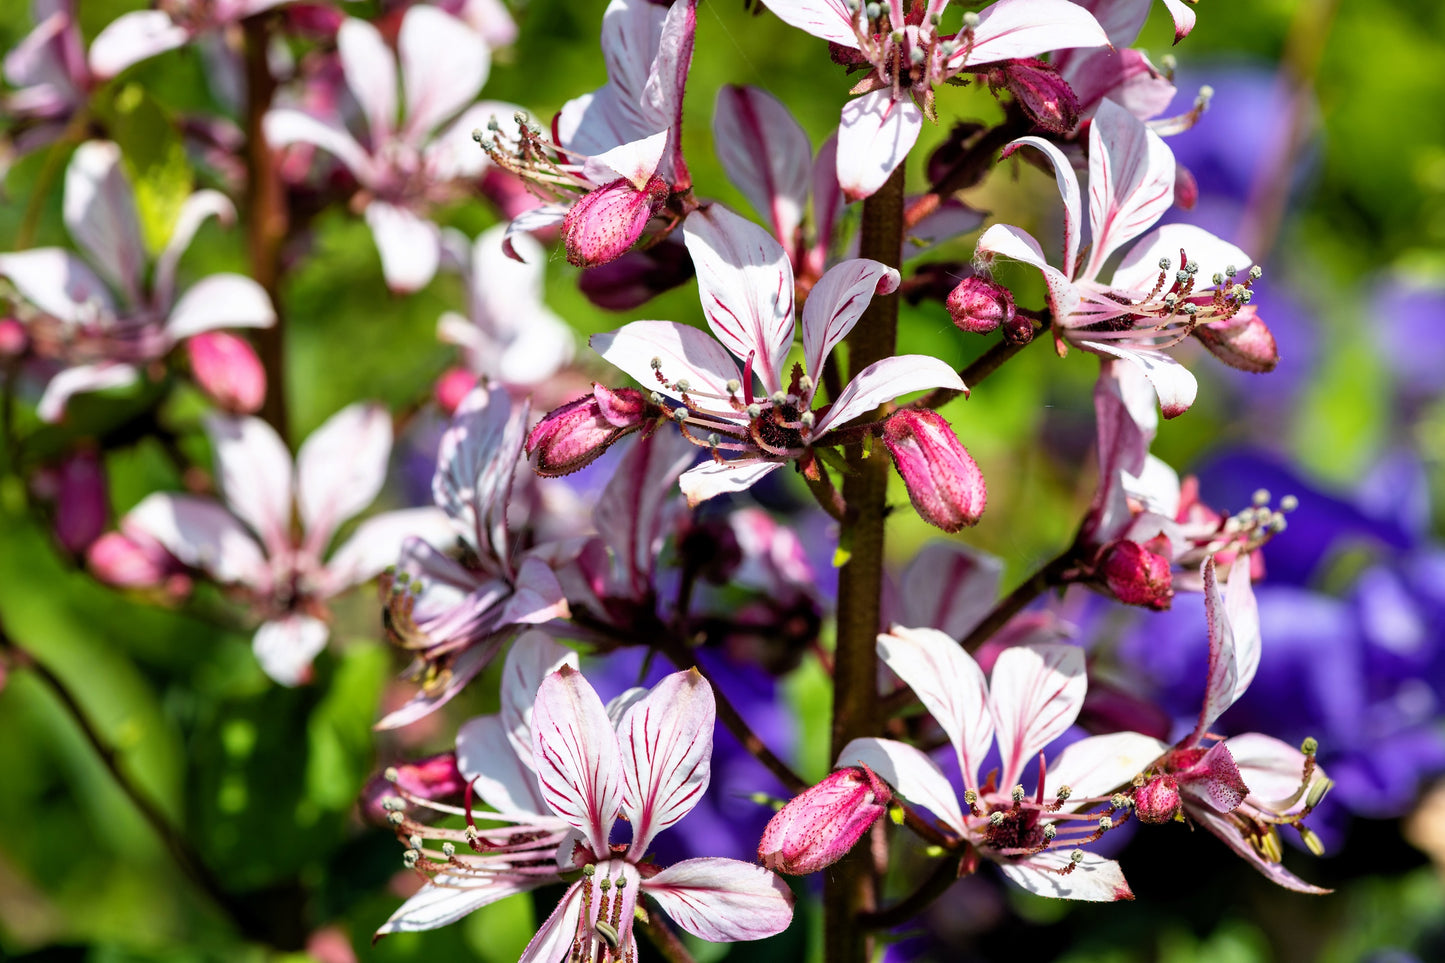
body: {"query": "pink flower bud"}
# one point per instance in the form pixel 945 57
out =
pixel 604 223
pixel 1041 92
pixel 820 825
pixel 82 501
pixel 227 370
pixel 435 778
pixel 571 436
pixel 130 561
pixel 1157 801
pixel 1243 342
pixel 943 482
pixel 1210 776
pixel 13 339
pixel 454 385
pixel 978 305
pixel 1137 576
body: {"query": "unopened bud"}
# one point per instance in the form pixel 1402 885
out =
pixel 820 825
pixel 978 305
pixel 1136 576
pixel 573 435
pixel 130 561
pixel 13 338
pixel 603 224
pixel 1157 801
pixel 434 777
pixel 943 481
pixel 82 503
pixel 226 368
pixel 1043 94
pixel 454 385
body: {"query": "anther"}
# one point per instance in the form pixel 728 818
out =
pixel 806 419
pixel 779 397
pixel 393 804
pixel 521 118
pixel 448 850
pixel 679 414
pixel 1064 793
pixel 1017 794
pixel 734 386
pixel 1119 801
pixel 1255 272
pixel 1313 842
pixel 755 411
pixel 414 841
pixel 1050 831
pixel 1218 279
pixel 396 819
pixel 896 36
pixel 409 858
pixel 915 56
pixel 995 818
pixel 604 884
pixel 1288 503
pixel 1261 497
pixel 477 134
pixel 1317 792
pixel 1192 267
pixel 1165 264
pixel 589 870
pixel 805 383
pixel 1077 856
pixel 1231 270
pixel 875 10
pixel 713 440
pixel 656 398
pixel 970 20
pixel 1106 823
pixel 656 364
pixel 970 797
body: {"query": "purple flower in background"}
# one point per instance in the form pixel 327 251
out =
pixel 1411 315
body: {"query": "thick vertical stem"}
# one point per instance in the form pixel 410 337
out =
pixel 266 218
pixel 851 889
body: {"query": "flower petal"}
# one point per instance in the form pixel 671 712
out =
pixel 1229 831
pixel 533 657
pixel 1005 240
pixel 1038 691
pixel 285 127
pixel 684 353
pixel 766 154
pixel 1010 29
pixel 452 153
pixel 1093 879
pixel 195 210
pixel 80 380
pixel 447 899
pixel 1131 181
pixel 666 741
pixel 285 647
pixel 220 301
pixel 828 19
pixel 554 939
pixel 1270 768
pixel 575 751
pixel 710 479
pixel 746 285
pixel 723 900
pixel 59 284
pixel 410 247
pixel 131 38
pixel 537 596
pixel 476 462
pixel 377 542
pixel 1068 183
pixel 370 72
pixel 1172 382
pixel 340 470
pixel 99 212
pixel 885 380
pixel 836 303
pixel 949 586
pixel 951 687
pixel 201 534
pixel 875 135
pixel 1234 649
pixel 1095 765
pixel 1140 267
pixel 472 661
pixel 444 64
pixel 253 471
pixel 910 772
pixel 635 512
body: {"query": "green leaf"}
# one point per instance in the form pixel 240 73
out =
pixel 339 733
pixel 155 159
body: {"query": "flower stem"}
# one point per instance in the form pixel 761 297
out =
pixel 944 875
pixel 852 889
pixel 266 221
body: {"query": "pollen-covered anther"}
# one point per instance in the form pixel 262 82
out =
pixel 1077 856
pixel 1063 794
pixel 995 818
pixel 1119 801
pixel 1050 831
pixel 409 858
pixel 1106 823
pixel 1017 794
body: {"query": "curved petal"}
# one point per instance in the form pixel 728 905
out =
pixel 711 479
pixel 666 741
pixel 131 38
pixel 1038 691
pixel 746 285
pixel 99 212
pixel 885 380
pixel 476 462
pixel 194 212
pixel 1068 183
pixel 286 647
pixel 1242 611
pixel 1005 240
pixel 253 471
pixel 1096 765
pixel 684 354
pixel 444 64
pixel 828 19
pixel 410 246
pixel 477 657
pixel 1223 687
pixel 949 586
pixel 951 687
pixel 1172 382
pixel 875 135
pixel 80 380
pixel 533 657
pixel 1183 18
pixel 541 218
pixel 836 303
pixel 59 284
pixel 220 301
pixel 1273 770
pixel 1093 879
pixel 575 751
pixel 537 596
pixel 449 898
pixel 370 72
pixel 1140 267
pixel 284 127
pixel 377 542
pixel 766 154
pixel 1226 829
pixel 201 534
pixel 631 41
pixel 1131 181
pixel 453 153
pixel 503 780
pixel 912 775
pixel 723 900
pixel 340 470
pixel 554 938
pixel 636 510
pixel 1010 29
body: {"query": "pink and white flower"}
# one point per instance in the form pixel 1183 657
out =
pixel 1155 298
pixel 455 617
pixel 50 77
pixel 415 155
pixel 1034 695
pixel 96 325
pixel 906 60
pixel 746 284
pixel 249 541
pixel 142 34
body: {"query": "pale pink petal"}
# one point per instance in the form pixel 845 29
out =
pixel 1093 879
pixel 912 775
pixel 80 380
pixel 542 218
pixel 377 542
pixel 1242 611
pixel 746 285
pixel 37 66
pixel 131 38
pixel 1183 18
pixel 476 462
pixel 828 199
pixel 1121 19
pixel 836 303
pixel 195 210
pixel 253 472
pixel 472 661
pixel 453 154
pixel 723 900
pixel 1131 181
pixel 1097 765
pixel 537 596
pixel 575 751
pixel 1140 267
pixel 410 247
pixel 949 586
pixel 631 37
pixel 766 154
pixel 220 301
pixel 1231 665
pixel 885 380
pixel 1227 830
pixel 286 647
pixel 828 19
pixel 1273 770
pixel 1010 29
pixel 635 512
pixel 710 479
pixel 490 19
pixel 284 127
pixel 554 940
pixel 875 135
pixel 201 534
pixel 370 71
pixel 685 354
pixel 1005 240
pixel 340 469
pixel 447 899
pixel 635 161
pixel 1172 382
pixel 1068 183
pixel 59 284
pixel 1038 691
pixel 444 64
pixel 951 687
pixel 99 212
pixel 666 79
pixel 666 741
pixel 533 657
